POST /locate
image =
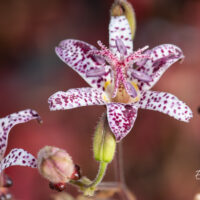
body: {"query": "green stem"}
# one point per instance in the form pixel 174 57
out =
pixel 90 189
pixel 100 175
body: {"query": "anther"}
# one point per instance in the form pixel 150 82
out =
pixel 141 76
pixel 99 59
pixel 96 72
pixel 131 90
pixel 121 47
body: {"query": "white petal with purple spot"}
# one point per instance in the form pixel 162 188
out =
pixel 74 98
pixel 119 28
pixel 121 118
pixel 18 157
pixel 160 59
pixel 75 53
pixel 11 120
pixel 165 103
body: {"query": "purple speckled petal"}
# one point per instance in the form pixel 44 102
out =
pixel 11 120
pixel 74 98
pixel 75 53
pixel 18 157
pixel 121 118
pixel 119 29
pixel 161 58
pixel 165 103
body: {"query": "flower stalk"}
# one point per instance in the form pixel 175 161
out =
pixel 104 146
pixel 90 189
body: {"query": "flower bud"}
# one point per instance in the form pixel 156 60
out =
pixel 104 143
pixel 123 7
pixel 55 164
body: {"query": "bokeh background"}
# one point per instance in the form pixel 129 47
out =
pixel 161 155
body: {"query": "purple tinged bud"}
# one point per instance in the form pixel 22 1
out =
pixel 121 47
pixel 96 72
pixel 55 164
pixel 131 90
pixel 141 76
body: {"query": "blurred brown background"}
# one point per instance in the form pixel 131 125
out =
pixel 161 154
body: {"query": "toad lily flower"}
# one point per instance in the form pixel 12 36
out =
pixel 120 78
pixel 16 156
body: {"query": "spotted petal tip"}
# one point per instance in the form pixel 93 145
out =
pixel 18 157
pixel 166 103
pixel 121 118
pixel 11 120
pixel 74 98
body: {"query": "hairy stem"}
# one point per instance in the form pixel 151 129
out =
pixel 100 175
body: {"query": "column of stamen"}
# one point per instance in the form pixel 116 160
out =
pixel 136 55
pixel 107 54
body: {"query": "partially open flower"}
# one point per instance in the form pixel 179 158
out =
pixel 55 164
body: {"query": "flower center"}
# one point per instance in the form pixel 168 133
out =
pixel 121 88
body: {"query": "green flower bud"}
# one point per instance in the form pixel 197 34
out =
pixel 55 164
pixel 122 7
pixel 104 143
